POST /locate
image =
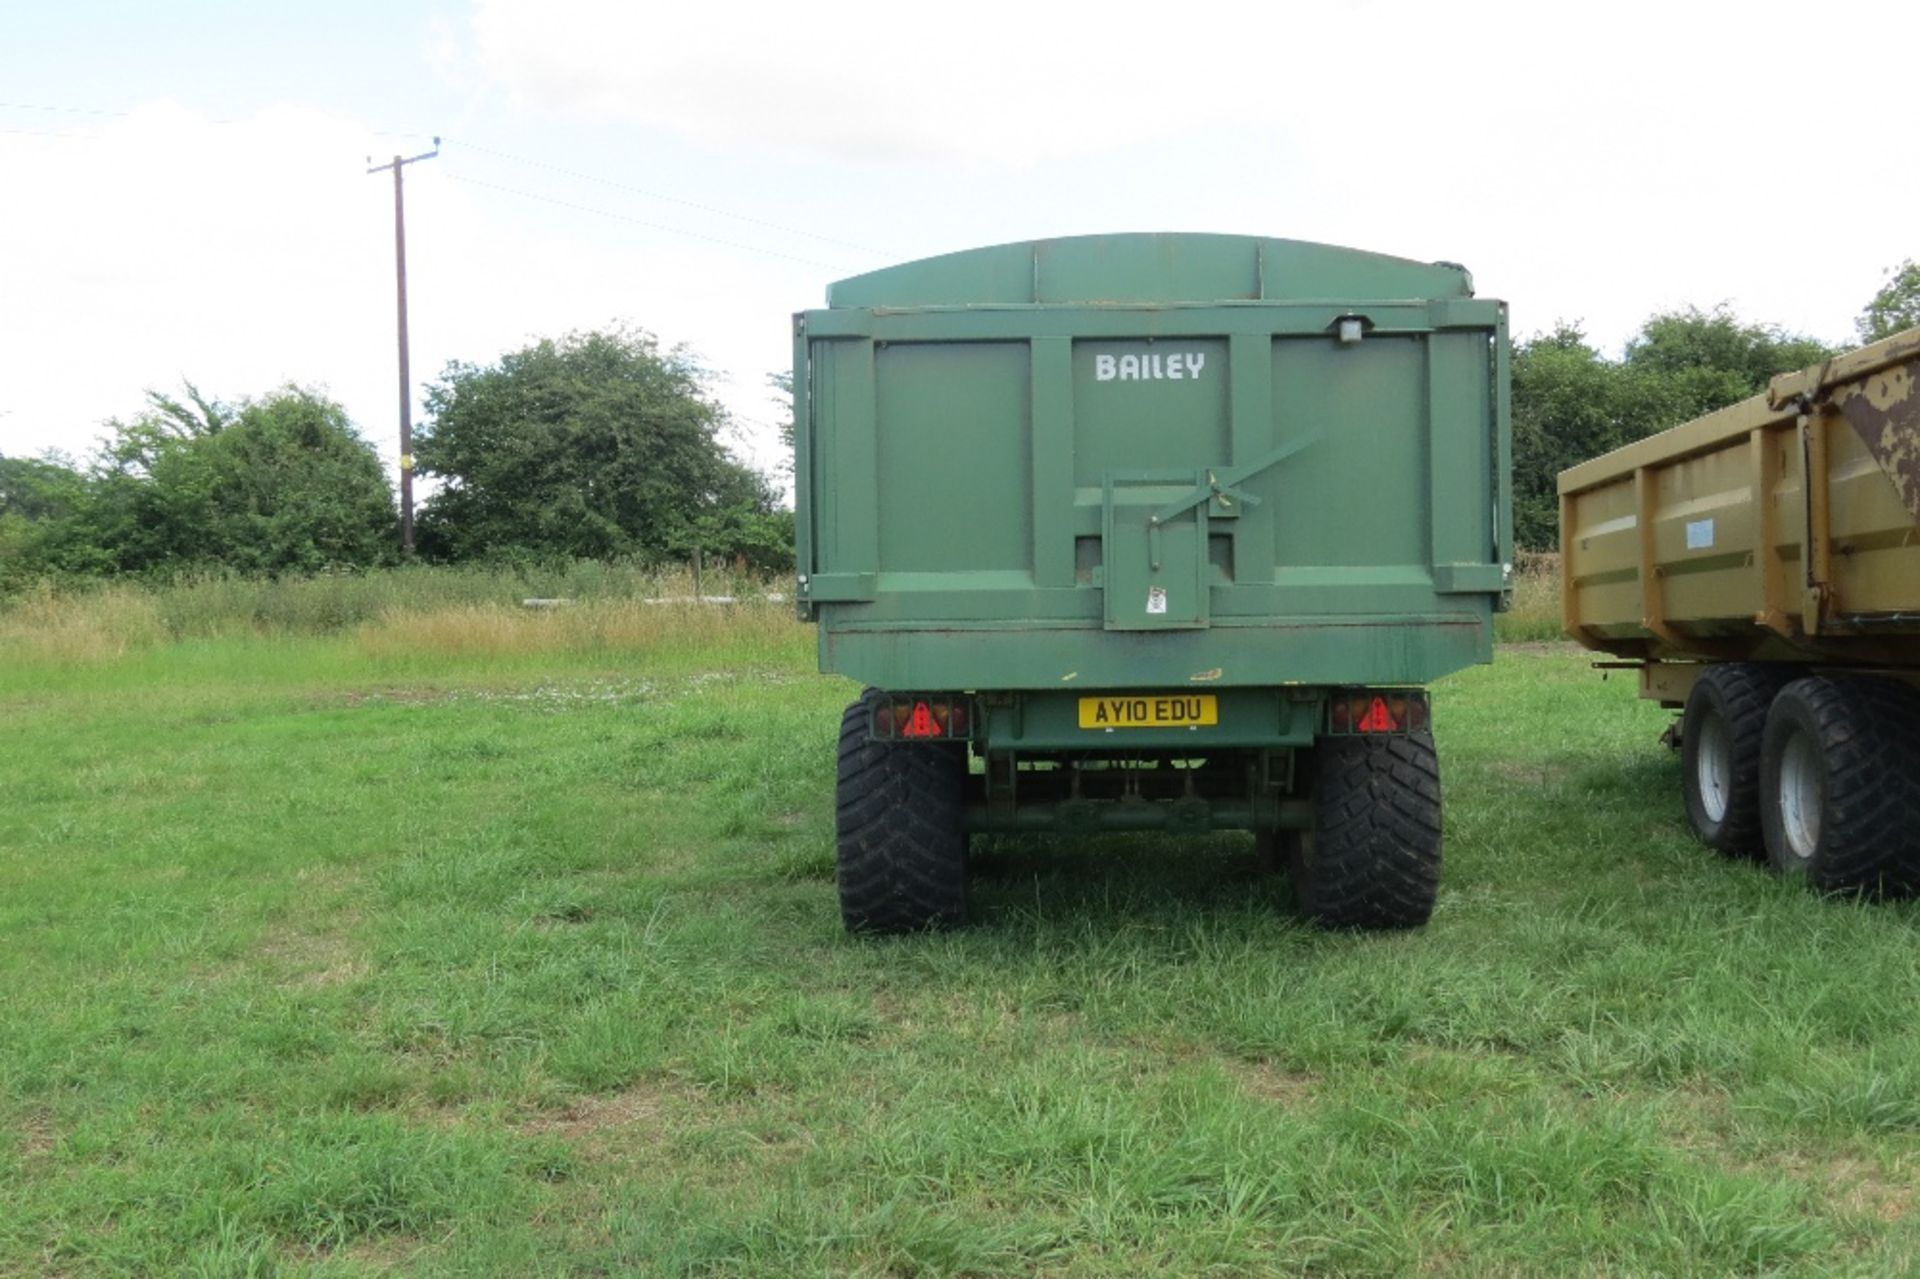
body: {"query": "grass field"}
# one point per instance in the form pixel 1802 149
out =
pixel 481 942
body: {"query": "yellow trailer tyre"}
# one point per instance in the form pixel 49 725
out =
pixel 899 843
pixel 1840 781
pixel 1720 734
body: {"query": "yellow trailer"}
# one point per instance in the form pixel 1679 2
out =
pixel 1760 568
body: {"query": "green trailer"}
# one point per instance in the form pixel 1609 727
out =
pixel 1158 532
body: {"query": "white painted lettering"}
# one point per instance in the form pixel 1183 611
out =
pixel 1151 366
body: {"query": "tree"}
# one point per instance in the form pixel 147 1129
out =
pixel 44 488
pixel 1895 307
pixel 781 384
pixel 596 445
pixel 285 485
pixel 1565 408
pixel 282 484
pixel 1570 403
pixel 40 502
pixel 1704 360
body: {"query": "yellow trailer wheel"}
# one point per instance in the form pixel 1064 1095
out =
pixel 1840 785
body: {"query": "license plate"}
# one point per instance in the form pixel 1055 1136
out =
pixel 1165 711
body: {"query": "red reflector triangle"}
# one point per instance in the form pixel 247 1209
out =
pixel 1377 719
pixel 922 724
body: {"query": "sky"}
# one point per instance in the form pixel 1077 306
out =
pixel 186 195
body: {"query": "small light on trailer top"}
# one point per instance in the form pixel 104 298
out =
pixel 1352 329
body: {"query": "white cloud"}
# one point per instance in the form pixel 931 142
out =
pixel 989 81
pixel 1594 164
pixel 1591 161
pixel 161 246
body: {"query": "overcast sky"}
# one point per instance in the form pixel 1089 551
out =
pixel 186 195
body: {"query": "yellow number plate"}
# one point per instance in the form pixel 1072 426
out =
pixel 1174 710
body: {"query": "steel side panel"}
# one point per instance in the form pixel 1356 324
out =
pixel 1707 557
pixel 1324 653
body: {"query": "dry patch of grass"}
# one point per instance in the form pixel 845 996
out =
pixel 494 630
pixel 1532 772
pixel 98 626
pixel 591 1121
pixel 37 1137
pixel 1858 1186
pixel 302 955
pixel 314 960
pixel 1271 1082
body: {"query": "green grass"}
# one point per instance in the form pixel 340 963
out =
pixel 379 953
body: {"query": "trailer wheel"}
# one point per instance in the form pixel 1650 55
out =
pixel 901 851
pixel 1372 859
pixel 1840 772
pixel 1725 719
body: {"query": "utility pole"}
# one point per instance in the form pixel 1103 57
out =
pixel 406 381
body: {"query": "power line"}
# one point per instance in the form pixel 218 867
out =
pixel 125 115
pixel 657 226
pixel 36 106
pixel 670 199
pixel 530 195
pixel 52 133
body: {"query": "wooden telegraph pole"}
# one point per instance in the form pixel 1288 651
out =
pixel 406 381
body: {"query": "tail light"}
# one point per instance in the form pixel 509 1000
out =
pixel 923 718
pixel 1355 711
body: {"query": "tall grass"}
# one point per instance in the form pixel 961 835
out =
pixel 604 604
pixel 479 611
pixel 493 630
pixel 1535 614
pixel 94 626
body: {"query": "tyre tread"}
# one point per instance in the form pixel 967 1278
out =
pixel 900 852
pixel 1867 730
pixel 1373 860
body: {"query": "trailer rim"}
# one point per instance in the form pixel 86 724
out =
pixel 1713 767
pixel 1801 795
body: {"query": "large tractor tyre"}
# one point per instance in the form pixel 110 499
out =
pixel 1840 780
pixel 902 853
pixel 1725 719
pixel 1372 859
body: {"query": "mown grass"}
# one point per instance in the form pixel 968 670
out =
pixel 379 953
